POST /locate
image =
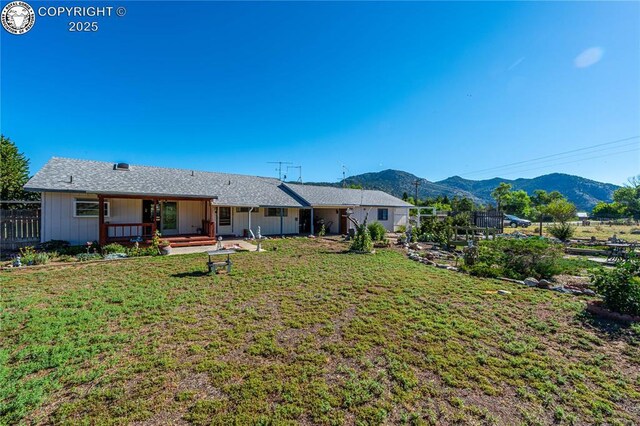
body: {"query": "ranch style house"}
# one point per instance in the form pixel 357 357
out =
pixel 101 201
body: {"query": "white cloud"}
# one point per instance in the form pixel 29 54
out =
pixel 588 57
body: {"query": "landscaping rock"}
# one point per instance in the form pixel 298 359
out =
pixel 589 292
pixel 531 282
pixel 544 283
pixel 416 246
pixel 452 268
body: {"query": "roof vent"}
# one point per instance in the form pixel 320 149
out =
pixel 121 166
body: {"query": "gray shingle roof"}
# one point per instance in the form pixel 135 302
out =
pixel 331 196
pixel 98 177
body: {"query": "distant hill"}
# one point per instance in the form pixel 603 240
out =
pixel 584 193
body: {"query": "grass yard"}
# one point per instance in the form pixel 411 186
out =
pixel 601 232
pixel 304 333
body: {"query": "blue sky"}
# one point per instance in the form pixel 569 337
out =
pixel 436 89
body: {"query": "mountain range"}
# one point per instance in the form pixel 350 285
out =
pixel 584 193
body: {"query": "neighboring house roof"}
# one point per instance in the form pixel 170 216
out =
pixel 99 177
pixel 319 196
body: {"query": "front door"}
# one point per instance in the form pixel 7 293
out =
pixel 225 221
pixel 169 218
pixel 343 221
pixel 305 222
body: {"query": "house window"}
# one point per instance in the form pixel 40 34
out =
pixel 383 214
pixel 89 208
pixel 275 211
pixel 246 210
pixel 224 216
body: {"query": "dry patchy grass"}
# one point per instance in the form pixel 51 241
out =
pixel 304 334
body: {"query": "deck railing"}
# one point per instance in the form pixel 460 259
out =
pixel 127 231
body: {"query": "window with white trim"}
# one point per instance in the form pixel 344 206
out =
pixel 89 208
pixel 246 210
pixel 383 214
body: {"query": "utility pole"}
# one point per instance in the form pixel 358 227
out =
pixel 279 169
pixel 299 172
pixel 417 184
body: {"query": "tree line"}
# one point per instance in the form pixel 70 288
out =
pixel 541 204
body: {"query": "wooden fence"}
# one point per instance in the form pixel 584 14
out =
pixel 19 228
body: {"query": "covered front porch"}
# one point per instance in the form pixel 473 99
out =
pixel 182 221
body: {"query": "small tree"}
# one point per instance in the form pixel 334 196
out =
pixel 501 193
pixel 14 172
pixel 362 242
pixel 561 211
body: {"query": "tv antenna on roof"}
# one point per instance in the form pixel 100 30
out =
pixel 279 169
pixel 344 175
pixel 299 172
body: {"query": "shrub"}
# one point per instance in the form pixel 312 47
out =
pixel 83 257
pixel 620 287
pixel 401 229
pixel 562 231
pixel 113 248
pixel 54 245
pixel 362 240
pixel 323 231
pixel 436 230
pixel 517 258
pixel 377 231
pixel 29 256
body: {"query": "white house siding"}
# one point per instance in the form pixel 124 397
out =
pixel 397 216
pixel 58 222
pixel 400 217
pixel 190 216
pixel 268 225
pixel 123 210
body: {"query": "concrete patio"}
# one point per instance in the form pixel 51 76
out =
pixel 240 245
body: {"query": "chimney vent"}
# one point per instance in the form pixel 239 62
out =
pixel 121 166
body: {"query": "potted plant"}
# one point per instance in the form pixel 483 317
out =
pixel 165 247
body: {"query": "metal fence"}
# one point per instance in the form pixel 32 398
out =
pixel 19 228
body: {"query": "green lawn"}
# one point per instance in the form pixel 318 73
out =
pixel 304 333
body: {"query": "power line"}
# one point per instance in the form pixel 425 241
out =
pixel 572 161
pixel 550 156
pixel 576 157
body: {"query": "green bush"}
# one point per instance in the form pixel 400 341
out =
pixel 562 231
pixel 377 231
pixel 437 231
pixel 113 248
pixel 83 257
pixel 620 287
pixel 362 241
pixel 517 258
pixel 29 256
pixel 54 245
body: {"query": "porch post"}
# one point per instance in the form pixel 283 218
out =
pixel 312 233
pixel 282 221
pixel 250 231
pixel 102 234
pixel 155 216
